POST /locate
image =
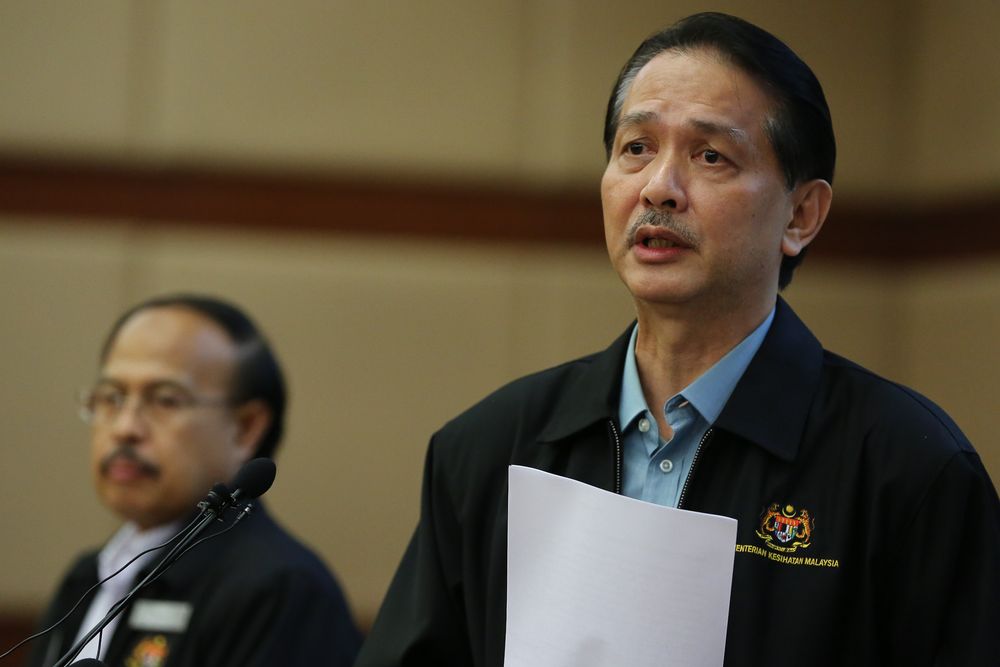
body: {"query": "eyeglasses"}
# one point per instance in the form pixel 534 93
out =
pixel 158 403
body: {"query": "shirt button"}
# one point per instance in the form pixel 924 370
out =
pixel 666 465
pixel 643 425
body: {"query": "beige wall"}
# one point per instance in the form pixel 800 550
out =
pixel 384 341
pixel 956 98
pixel 510 90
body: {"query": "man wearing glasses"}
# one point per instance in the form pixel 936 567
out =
pixel 188 390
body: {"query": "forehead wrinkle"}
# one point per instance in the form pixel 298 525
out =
pixel 738 135
pixel 634 118
pixel 155 383
pixel 735 134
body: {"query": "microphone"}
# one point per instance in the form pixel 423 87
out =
pixel 252 480
pixel 217 499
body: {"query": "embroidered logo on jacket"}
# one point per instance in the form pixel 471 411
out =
pixel 784 529
pixel 151 651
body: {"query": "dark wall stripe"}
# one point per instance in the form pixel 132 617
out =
pixel 330 203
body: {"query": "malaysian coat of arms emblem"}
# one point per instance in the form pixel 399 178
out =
pixel 150 652
pixel 784 529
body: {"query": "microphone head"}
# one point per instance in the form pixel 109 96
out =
pixel 254 478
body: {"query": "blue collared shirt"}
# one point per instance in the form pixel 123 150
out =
pixel 654 469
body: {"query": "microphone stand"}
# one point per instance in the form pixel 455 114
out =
pixel 210 511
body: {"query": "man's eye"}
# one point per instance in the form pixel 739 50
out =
pixel 712 157
pixel 635 148
pixel 167 400
pixel 108 397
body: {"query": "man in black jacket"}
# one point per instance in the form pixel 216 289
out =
pixel 189 390
pixel 868 530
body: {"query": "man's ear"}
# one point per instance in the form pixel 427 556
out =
pixel 252 421
pixel 811 201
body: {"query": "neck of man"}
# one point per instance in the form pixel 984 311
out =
pixel 676 344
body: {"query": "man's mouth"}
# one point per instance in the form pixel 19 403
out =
pixel 658 238
pixel 660 243
pixel 660 230
pixel 125 466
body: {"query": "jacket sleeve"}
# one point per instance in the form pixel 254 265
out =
pixel 422 621
pixel 944 600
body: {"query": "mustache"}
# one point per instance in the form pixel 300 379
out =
pixel 128 454
pixel 664 220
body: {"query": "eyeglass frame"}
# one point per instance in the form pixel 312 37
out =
pixel 149 408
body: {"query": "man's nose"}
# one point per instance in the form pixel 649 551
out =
pixel 666 187
pixel 131 422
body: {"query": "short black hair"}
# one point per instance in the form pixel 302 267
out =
pixel 800 130
pixel 258 374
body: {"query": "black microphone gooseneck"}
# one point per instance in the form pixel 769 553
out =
pixel 252 480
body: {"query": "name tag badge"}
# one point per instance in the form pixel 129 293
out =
pixel 159 616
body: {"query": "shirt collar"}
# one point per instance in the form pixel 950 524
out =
pixel 708 393
pixel 128 543
pixel 769 406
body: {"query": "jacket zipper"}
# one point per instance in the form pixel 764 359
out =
pixel 694 464
pixel 618 455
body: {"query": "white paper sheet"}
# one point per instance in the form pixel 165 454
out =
pixel 597 579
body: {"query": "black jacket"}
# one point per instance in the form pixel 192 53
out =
pixel 886 552
pixel 258 597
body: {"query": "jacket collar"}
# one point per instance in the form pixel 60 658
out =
pixel 770 404
pixel 591 393
pixel 768 407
